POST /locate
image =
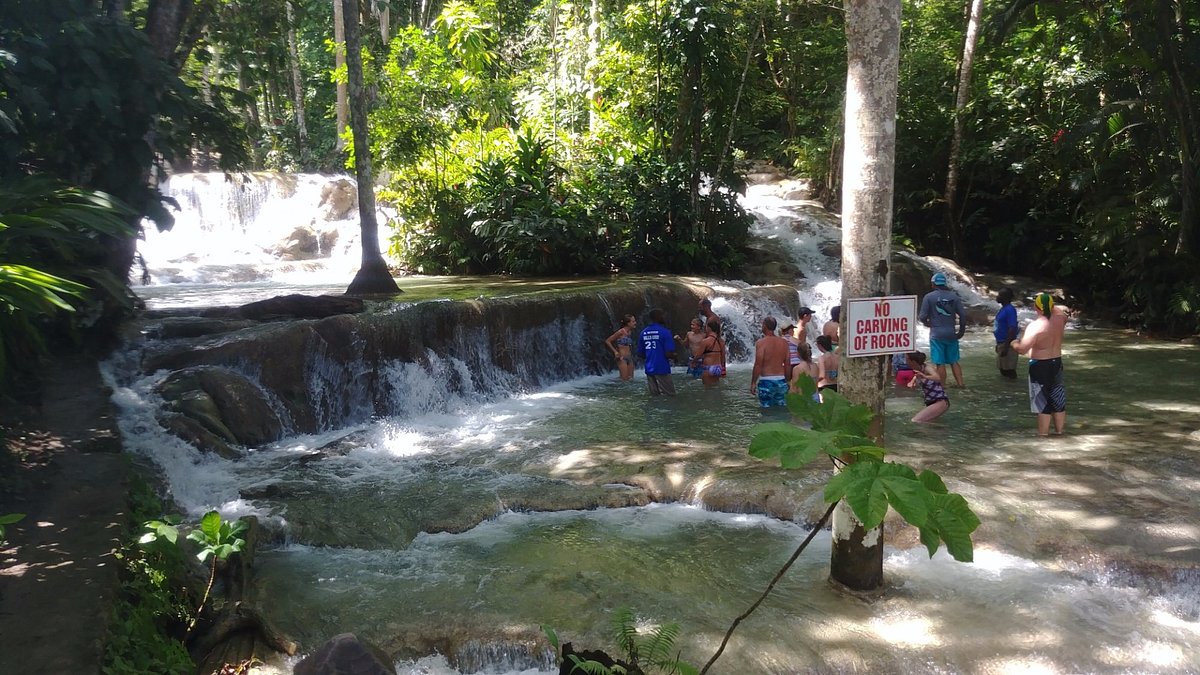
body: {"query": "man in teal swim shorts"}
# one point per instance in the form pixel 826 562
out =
pixel 769 379
pixel 939 309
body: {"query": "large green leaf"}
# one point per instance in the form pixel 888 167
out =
pixel 795 446
pixel 210 525
pixel 950 520
pixel 870 487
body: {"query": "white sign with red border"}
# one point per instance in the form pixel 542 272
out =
pixel 878 326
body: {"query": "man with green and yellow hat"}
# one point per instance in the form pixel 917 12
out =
pixel 1043 342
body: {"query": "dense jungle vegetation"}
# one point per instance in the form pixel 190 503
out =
pixel 549 137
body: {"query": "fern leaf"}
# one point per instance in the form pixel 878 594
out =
pixel 625 632
pixel 659 645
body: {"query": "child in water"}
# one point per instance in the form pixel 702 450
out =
pixel 936 401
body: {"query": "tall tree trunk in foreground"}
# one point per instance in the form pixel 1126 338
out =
pixel 373 276
pixel 950 217
pixel 873 56
pixel 339 60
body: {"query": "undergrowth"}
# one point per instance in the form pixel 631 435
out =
pixel 149 616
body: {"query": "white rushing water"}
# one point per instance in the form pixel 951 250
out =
pixel 442 523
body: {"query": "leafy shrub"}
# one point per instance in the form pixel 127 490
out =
pixel 151 610
pixel 52 260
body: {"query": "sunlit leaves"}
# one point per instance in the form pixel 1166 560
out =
pixel 869 485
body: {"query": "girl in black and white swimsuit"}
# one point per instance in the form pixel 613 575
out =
pixel 936 401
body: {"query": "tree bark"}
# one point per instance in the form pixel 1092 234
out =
pixel 1172 32
pixel 297 78
pixel 339 60
pixel 164 26
pixel 373 275
pixel 950 216
pixel 592 67
pixel 873 56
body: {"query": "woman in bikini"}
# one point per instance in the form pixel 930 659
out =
pixel 936 401
pixel 620 344
pixel 712 355
pixel 827 364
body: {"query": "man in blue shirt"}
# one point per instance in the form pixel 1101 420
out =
pixel 939 309
pixel 656 346
pixel 1005 331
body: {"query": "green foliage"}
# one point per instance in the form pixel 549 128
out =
pixel 9 519
pixel 654 650
pixel 52 260
pixel 87 101
pixel 151 609
pixel 868 484
pixel 218 539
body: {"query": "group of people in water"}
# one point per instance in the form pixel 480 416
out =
pixel 784 353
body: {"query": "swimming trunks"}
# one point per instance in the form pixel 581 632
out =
pixel 772 391
pixel 943 352
pixel 1047 388
pixel 660 384
pixel 1006 358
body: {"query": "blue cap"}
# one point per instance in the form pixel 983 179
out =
pixel 938 279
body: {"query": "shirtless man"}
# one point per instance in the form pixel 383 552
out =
pixel 768 379
pixel 1043 342
pixel 706 313
pixel 691 343
pixel 802 334
pixel 833 327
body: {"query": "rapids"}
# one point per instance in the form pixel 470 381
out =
pixel 448 530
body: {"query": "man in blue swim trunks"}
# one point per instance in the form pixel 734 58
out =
pixel 769 378
pixel 939 308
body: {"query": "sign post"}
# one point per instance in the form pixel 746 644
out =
pixel 880 326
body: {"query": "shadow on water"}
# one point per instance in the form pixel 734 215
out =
pixel 459 531
pixel 1083 537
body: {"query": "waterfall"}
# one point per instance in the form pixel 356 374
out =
pixel 255 227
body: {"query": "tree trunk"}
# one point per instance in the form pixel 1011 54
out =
pixel 373 276
pixel 873 55
pixel 950 217
pixel 297 78
pixel 339 60
pixel 164 26
pixel 689 95
pixel 1172 32
pixel 592 68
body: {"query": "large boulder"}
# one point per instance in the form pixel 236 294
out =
pixel 345 654
pixel 307 243
pixel 339 199
pixel 223 403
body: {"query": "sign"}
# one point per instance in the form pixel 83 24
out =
pixel 878 326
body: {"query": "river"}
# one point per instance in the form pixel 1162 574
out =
pixel 449 530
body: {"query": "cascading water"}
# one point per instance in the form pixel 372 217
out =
pixel 475 496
